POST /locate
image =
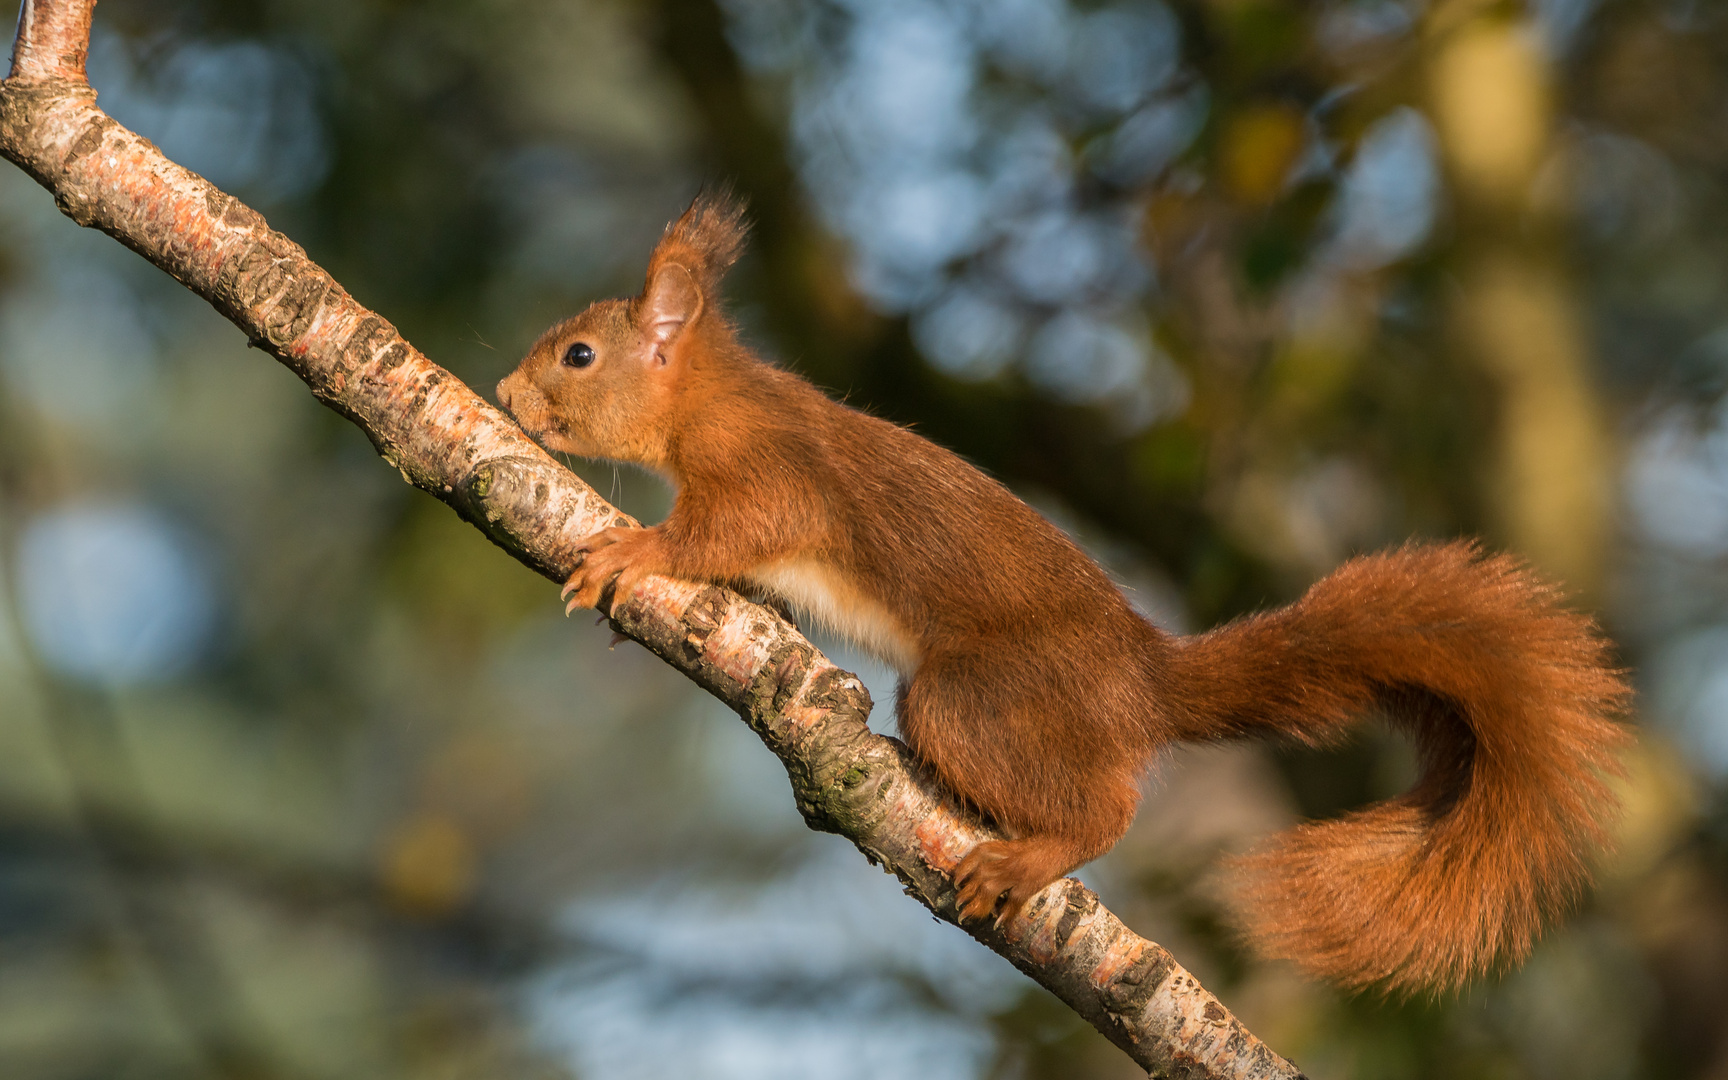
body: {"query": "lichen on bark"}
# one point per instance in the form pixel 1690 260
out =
pixel 453 445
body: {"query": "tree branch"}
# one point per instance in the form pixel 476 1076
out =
pixel 447 441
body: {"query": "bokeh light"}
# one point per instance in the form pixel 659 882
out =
pixel 114 592
pixel 296 766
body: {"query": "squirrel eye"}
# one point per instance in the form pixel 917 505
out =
pixel 578 355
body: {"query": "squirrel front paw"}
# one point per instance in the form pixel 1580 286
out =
pixel 621 553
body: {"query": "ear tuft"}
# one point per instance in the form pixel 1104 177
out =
pixel 703 243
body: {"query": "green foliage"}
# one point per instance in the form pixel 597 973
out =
pixel 393 801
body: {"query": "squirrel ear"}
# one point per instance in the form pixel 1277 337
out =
pixel 671 302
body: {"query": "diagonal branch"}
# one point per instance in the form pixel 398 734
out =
pixel 447 441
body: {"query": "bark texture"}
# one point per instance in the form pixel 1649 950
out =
pixel 447 441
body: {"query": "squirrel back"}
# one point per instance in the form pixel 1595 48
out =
pixel 1040 698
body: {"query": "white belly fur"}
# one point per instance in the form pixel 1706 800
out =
pixel 831 601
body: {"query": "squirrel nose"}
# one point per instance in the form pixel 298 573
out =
pixel 504 394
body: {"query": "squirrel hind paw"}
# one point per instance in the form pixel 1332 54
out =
pixel 977 888
pixel 993 872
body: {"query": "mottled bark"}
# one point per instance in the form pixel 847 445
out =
pixel 447 441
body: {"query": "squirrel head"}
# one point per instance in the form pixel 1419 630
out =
pixel 606 383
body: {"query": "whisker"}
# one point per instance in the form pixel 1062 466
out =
pixel 478 338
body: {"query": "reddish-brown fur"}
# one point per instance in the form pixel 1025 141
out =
pixel 1040 698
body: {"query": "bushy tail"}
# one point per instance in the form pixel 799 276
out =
pixel 1509 698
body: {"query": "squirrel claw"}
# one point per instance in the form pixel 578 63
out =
pixel 574 581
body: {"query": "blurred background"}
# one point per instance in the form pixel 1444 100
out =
pixel 300 778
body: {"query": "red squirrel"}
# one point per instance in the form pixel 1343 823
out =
pixel 1041 699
